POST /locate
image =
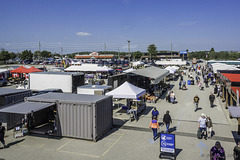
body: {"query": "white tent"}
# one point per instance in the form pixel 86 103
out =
pixel 127 90
pixel 222 66
pixel 180 63
pixel 88 68
pixel 138 63
pixel 171 69
pixel 129 70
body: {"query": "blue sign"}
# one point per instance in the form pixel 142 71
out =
pixel 183 52
pixel 167 143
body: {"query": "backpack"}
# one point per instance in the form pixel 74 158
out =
pixel 199 134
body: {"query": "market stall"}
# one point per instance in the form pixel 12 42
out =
pixel 131 93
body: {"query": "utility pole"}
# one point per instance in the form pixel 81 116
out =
pixel 39 46
pixel 105 47
pixel 171 50
pixel 118 53
pixel 129 51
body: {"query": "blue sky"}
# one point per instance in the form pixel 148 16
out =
pixel 86 25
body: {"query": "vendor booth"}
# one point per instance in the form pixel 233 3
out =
pixel 132 93
pixel 28 115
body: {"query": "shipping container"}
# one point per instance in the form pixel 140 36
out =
pixel 66 81
pixel 10 96
pixel 80 116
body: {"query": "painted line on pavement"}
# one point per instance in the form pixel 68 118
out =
pixel 65 144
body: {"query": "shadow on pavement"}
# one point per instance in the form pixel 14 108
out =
pixel 236 136
pixel 169 155
pixel 13 143
pixel 170 130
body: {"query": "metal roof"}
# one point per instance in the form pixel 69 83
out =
pixel 59 73
pixel 25 107
pixel 9 91
pixel 67 97
pixel 152 72
pixel 234 111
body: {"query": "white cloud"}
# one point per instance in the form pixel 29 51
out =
pixel 83 34
pixel 188 23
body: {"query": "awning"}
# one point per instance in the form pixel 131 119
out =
pixel 25 107
pixel 152 72
pixel 234 111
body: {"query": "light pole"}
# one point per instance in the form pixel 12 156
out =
pixel 129 51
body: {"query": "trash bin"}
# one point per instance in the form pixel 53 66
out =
pixel 189 82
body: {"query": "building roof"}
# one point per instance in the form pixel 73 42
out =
pixel 67 97
pixel 232 77
pixel 9 91
pixel 25 107
pixel 58 73
pixel 152 72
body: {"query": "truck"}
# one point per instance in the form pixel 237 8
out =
pixel 66 81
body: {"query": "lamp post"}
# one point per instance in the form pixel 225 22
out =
pixel 129 51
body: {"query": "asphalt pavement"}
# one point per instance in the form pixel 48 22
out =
pixel 131 140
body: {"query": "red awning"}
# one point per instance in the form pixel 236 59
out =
pixel 20 69
pixel 232 77
pixel 234 89
pixel 33 69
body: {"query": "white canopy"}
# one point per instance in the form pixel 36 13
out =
pixel 171 69
pixel 127 90
pixel 171 62
pixel 88 68
pixel 138 63
pixel 222 66
pixel 129 70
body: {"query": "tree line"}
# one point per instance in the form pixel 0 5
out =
pixel 151 52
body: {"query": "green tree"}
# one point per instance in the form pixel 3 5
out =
pixel 4 55
pixel 46 54
pixel 137 54
pixel 152 50
pixel 27 54
pixel 12 55
pixel 36 54
pixel 212 50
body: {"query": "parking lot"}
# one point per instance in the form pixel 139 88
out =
pixel 133 140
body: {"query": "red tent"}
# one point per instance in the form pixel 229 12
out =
pixel 20 69
pixel 33 69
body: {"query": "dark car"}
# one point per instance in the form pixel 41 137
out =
pixel 50 90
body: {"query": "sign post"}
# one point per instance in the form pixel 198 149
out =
pixel 167 145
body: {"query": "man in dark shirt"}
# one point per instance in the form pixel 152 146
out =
pixel 196 101
pixel 155 113
pixel 167 120
pixel 2 132
pixel 236 152
pixel 211 99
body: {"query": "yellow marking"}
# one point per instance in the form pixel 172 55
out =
pixel 112 145
pixel 80 154
pixel 65 144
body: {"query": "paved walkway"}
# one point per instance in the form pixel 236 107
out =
pixel 133 140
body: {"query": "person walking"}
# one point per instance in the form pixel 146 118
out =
pixel 217 152
pixel 196 101
pixel 167 120
pixel 180 84
pixel 2 133
pixel 236 151
pixel 209 126
pixel 202 125
pixel 155 113
pixel 211 99
pixel 154 125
